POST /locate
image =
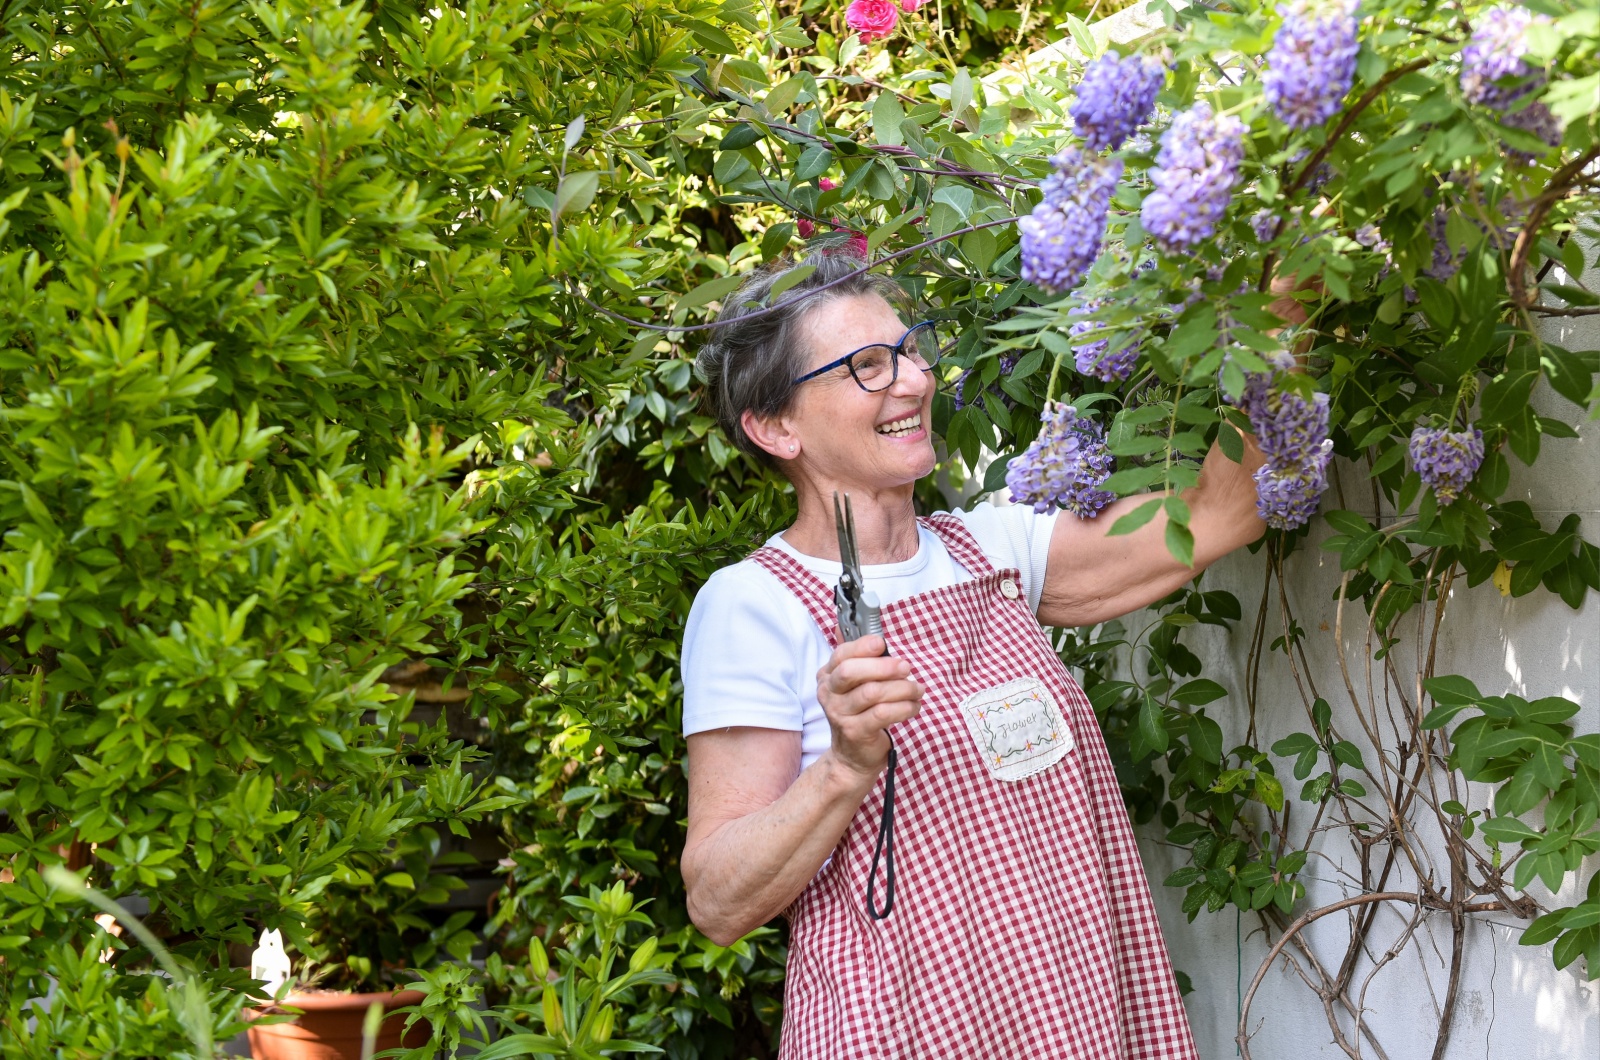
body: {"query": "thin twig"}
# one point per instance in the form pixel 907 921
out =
pixel 1537 211
pixel 846 278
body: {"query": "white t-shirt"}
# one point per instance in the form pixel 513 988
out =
pixel 751 650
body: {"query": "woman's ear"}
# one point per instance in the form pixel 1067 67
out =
pixel 771 434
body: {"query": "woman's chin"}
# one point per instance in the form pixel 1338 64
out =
pixel 918 456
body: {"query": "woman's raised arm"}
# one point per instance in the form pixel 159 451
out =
pixel 1092 577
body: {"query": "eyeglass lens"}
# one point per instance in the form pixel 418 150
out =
pixel 874 367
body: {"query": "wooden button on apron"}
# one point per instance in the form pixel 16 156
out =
pixel 1008 589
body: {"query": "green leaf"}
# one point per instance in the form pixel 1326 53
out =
pixel 1348 753
pixel 740 136
pixel 1544 929
pixel 1452 690
pixel 788 280
pixel 1231 442
pixel 960 91
pixel 887 114
pixel 710 37
pixel 1269 791
pixel 1199 691
pixel 518 1046
pixel 1293 744
pixel 1133 520
pixel 813 163
pixel 876 237
pixel 1180 542
pixel 1152 726
pixel 709 291
pixel 780 99
pixel 575 193
pixel 980 248
pixel 1205 738
pixel 1505 399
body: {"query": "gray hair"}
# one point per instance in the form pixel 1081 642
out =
pixel 751 364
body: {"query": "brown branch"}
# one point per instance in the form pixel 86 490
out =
pixel 1351 113
pixel 1242 1038
pixel 1560 181
pixel 1564 311
pixel 846 278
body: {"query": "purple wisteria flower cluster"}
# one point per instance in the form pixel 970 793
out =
pixel 1290 430
pixel 1194 176
pixel 1496 55
pixel 1293 435
pixel 1093 358
pixel 1495 52
pixel 1115 97
pixel 1446 460
pixel 1085 498
pixel 1312 62
pixel 1288 497
pixel 1065 466
pixel 1061 238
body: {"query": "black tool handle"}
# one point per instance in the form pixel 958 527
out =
pixel 884 849
pixel 885 845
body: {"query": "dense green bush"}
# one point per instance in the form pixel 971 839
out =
pixel 286 388
pixel 326 353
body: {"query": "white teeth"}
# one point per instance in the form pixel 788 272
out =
pixel 902 428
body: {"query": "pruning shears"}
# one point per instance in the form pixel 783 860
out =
pixel 859 612
pixel 859 615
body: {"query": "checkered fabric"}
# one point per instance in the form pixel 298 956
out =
pixel 1022 923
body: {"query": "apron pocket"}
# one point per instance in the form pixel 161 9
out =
pixel 1017 728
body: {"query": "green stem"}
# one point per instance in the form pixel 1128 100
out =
pixel 1050 385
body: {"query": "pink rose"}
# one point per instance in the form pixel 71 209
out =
pixel 858 245
pixel 806 228
pixel 873 19
pixel 826 185
pixel 910 6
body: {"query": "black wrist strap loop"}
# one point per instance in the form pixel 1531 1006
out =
pixel 885 845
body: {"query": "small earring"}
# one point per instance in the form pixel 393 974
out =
pixel 791 449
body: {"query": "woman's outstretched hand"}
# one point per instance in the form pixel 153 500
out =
pixel 863 692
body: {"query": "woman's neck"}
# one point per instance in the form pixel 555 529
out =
pixel 886 524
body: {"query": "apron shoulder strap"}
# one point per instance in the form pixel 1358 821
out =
pixel 961 544
pixel 810 590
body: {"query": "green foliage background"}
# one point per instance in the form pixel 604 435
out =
pixel 318 358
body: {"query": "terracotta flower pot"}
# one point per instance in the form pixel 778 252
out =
pixel 331 1027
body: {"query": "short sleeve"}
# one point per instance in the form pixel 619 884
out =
pixel 743 614
pixel 1014 535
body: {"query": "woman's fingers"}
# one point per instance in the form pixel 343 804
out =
pixel 864 697
pixel 859 662
pixel 864 692
pixel 880 716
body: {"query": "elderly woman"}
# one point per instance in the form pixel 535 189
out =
pixel 1021 924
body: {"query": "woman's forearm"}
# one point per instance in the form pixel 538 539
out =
pixel 746 870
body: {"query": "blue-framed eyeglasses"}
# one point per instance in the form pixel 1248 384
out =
pixel 876 367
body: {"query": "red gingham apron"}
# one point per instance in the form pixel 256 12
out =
pixel 1022 923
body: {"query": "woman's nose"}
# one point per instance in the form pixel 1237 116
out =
pixel 910 379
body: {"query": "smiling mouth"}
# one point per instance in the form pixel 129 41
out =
pixel 902 428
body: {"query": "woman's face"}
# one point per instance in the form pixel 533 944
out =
pixel 846 435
